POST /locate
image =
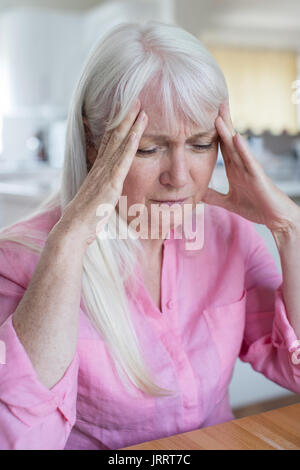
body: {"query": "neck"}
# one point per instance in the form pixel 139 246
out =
pixel 153 247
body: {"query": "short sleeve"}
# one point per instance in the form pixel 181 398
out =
pixel 31 415
pixel 269 342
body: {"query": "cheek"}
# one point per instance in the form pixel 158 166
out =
pixel 139 181
pixel 203 167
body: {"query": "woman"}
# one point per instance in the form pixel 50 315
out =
pixel 115 341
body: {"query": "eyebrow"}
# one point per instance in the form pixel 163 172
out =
pixel 210 132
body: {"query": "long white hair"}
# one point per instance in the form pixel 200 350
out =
pixel 122 65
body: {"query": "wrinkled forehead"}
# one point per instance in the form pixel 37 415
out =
pixel 171 121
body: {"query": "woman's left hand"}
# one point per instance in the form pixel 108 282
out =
pixel 252 194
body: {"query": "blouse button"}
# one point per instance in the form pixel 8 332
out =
pixel 170 304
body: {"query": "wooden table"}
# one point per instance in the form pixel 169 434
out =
pixel 277 429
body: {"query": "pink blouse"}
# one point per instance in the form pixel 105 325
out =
pixel 221 303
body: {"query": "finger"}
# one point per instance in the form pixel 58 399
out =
pixel 229 150
pixel 121 169
pixel 120 133
pixel 251 162
pixel 128 152
pixel 104 142
pixel 138 127
pixel 226 158
pixel 222 141
pixel 224 112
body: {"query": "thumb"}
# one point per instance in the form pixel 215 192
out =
pixel 215 198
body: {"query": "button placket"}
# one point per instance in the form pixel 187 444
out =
pixel 172 338
pixel 168 278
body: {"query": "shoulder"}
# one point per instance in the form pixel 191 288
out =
pixel 230 231
pixel 224 230
pixel 224 222
pixel 22 242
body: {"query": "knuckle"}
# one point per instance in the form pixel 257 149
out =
pixel 116 183
pixel 130 142
pixel 122 128
pixel 117 172
pixel 116 137
pixel 105 139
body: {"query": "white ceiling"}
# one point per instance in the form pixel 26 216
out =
pixel 57 4
pixel 267 23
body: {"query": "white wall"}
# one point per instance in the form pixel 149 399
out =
pixel 55 4
pixel 248 386
pixel 40 53
pixel 41 56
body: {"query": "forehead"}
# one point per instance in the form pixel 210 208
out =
pixel 170 123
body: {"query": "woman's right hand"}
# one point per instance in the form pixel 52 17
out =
pixel 104 182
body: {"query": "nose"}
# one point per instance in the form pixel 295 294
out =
pixel 177 172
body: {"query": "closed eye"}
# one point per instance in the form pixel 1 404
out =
pixel 143 152
pixel 201 147
pixel 153 150
pixel 198 147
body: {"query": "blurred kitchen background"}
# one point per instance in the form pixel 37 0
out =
pixel 43 45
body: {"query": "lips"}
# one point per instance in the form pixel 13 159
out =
pixel 170 202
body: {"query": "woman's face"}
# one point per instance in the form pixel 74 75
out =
pixel 170 166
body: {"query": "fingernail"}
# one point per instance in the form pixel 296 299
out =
pixel 141 116
pixel 133 137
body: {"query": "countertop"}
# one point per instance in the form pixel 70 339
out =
pixel 273 430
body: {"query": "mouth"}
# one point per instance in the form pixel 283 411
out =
pixel 170 202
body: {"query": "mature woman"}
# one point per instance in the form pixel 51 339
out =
pixel 112 341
